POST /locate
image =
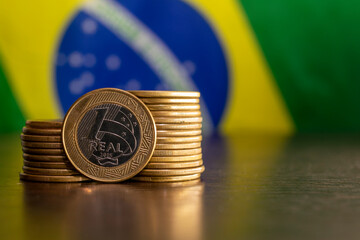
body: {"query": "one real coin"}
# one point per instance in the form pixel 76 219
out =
pixel 39 138
pixel 52 165
pixel 167 178
pixel 166 94
pixel 109 135
pixel 41 131
pixel 59 179
pixel 166 165
pixel 57 124
pixel 45 158
pixel 49 171
pixel 171 172
pixel 41 144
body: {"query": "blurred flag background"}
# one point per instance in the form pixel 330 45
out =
pixel 266 66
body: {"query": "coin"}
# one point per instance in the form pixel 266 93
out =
pixel 177 152
pixel 179 139
pixel 109 135
pixel 42 178
pixel 60 165
pixel 177 158
pixel 173 107
pixel 165 126
pixel 176 113
pixel 41 144
pixel 186 183
pixel 44 123
pixel 43 151
pixel 178 133
pixel 183 120
pixel 165 165
pixel 169 100
pixel 45 158
pixel 177 145
pixel 38 138
pixel 171 172
pixel 166 94
pixel 40 131
pixel 49 171
pixel 168 178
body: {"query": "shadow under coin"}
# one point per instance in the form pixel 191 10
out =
pixel 131 210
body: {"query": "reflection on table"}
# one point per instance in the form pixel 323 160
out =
pixel 123 211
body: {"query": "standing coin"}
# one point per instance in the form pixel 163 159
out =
pixel 177 145
pixel 44 123
pixel 173 107
pixel 166 94
pixel 43 151
pixel 167 165
pixel 41 178
pixel 176 113
pixel 171 172
pixel 167 178
pixel 177 152
pixel 177 158
pixel 169 100
pixel 38 138
pixel 179 139
pixel 45 158
pixel 49 171
pixel 184 120
pixel 109 135
pixel 41 144
pixel 41 131
pixel 59 165
pixel 178 133
pixel 169 126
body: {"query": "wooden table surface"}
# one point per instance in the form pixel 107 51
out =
pixel 254 187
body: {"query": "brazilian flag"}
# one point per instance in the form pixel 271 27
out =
pixel 266 66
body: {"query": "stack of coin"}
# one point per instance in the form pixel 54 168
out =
pixel 44 156
pixel 177 155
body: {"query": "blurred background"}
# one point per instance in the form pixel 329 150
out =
pixel 261 66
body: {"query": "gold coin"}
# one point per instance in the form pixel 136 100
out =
pixel 58 165
pixel 38 138
pixel 42 178
pixel 177 158
pixel 177 152
pixel 173 107
pixel 166 94
pixel 171 172
pixel 109 135
pixel 168 178
pixel 178 133
pixel 45 158
pixel 41 145
pixel 169 100
pixel 187 183
pixel 167 165
pixel 43 151
pixel 165 126
pixel 179 139
pixel 40 131
pixel 49 171
pixel 177 145
pixel 44 124
pixel 176 113
pixel 184 120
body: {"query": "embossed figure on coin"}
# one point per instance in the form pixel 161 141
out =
pixel 108 135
